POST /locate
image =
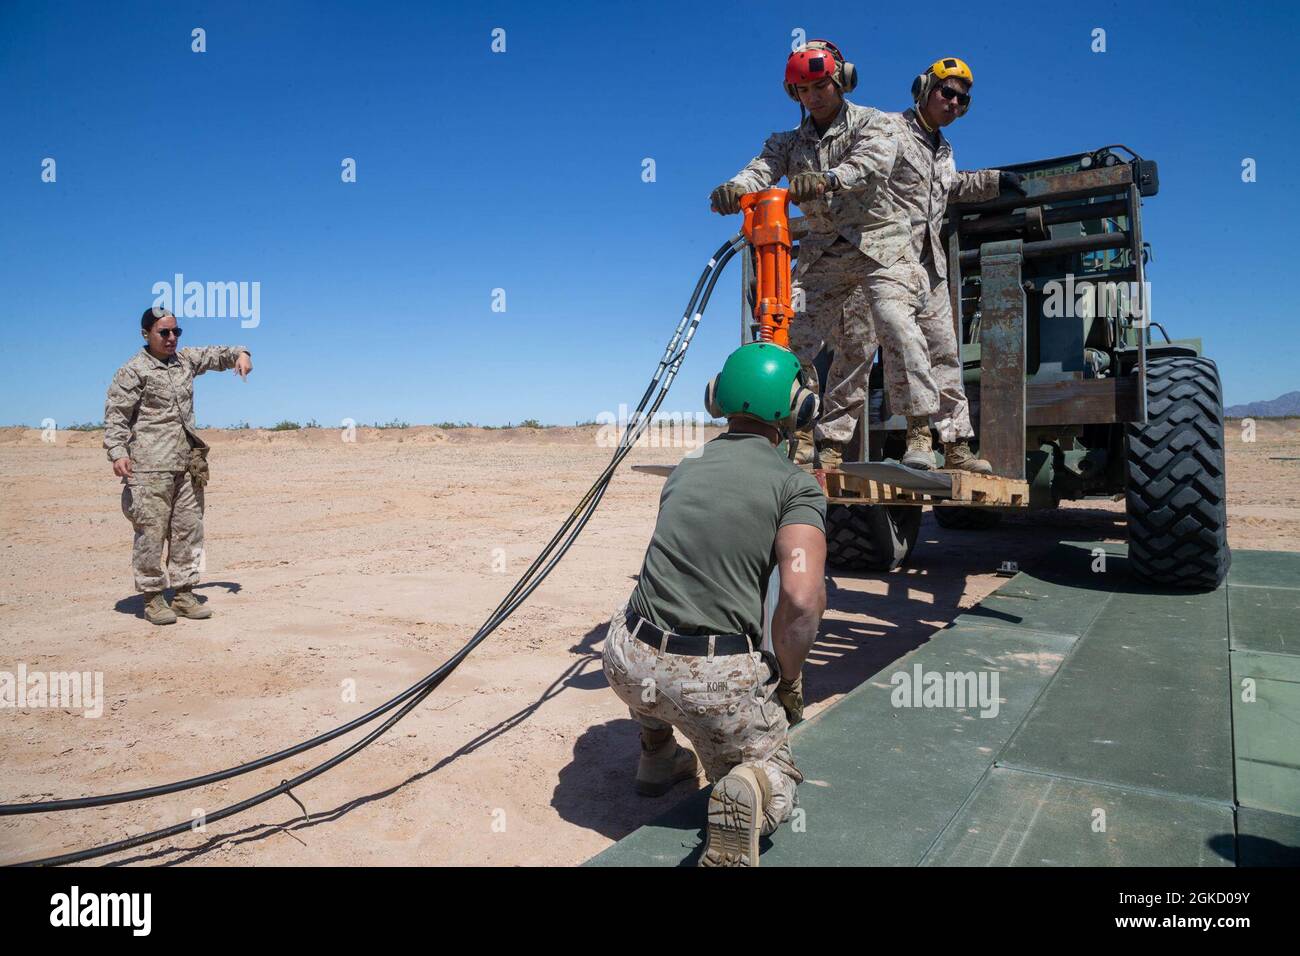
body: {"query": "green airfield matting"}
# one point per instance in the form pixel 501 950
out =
pixel 1135 727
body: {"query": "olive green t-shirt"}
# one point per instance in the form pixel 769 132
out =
pixel 711 555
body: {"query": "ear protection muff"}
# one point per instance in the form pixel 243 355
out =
pixel 711 398
pixel 918 87
pixel 848 72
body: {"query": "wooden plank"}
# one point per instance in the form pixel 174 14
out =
pixel 900 476
pixel 1091 401
pixel 967 489
pixel 989 489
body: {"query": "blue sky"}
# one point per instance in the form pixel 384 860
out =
pixel 522 171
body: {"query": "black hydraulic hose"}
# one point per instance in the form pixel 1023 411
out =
pixel 716 263
pixel 598 488
pixel 714 268
pixel 80 856
pixel 577 520
pixel 434 679
pixel 592 499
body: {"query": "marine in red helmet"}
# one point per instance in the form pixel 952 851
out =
pixel 835 160
pixel 869 236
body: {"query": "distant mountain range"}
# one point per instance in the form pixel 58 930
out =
pixel 1288 404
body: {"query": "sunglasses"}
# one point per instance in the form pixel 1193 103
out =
pixel 167 333
pixel 948 93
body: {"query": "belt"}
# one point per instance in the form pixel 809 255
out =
pixel 691 646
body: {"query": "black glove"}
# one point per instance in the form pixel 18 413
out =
pixel 790 694
pixel 1011 183
pixel 726 199
pixel 805 186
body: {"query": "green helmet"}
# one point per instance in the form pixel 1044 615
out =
pixel 762 380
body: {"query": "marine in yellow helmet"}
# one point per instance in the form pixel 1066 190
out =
pixel 924 181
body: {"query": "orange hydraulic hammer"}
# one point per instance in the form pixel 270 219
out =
pixel 767 227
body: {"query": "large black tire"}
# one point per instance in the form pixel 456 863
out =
pixel 967 519
pixel 870 537
pixel 1177 483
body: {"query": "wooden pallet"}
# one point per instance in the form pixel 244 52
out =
pixel 967 489
pixel 986 491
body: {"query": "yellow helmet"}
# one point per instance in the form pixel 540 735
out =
pixel 949 67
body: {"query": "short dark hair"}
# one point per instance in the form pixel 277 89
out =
pixel 152 315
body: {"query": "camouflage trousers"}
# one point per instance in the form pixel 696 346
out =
pixel 893 297
pixel 725 706
pixel 934 318
pixel 165 509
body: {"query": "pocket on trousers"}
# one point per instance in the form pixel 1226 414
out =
pixel 634 690
pixel 715 698
pixel 614 659
pixel 614 666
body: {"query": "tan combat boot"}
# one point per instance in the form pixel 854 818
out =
pixel 804 451
pixel 187 605
pixel 831 455
pixel 957 454
pixel 920 450
pixel 736 818
pixel 156 610
pixel 663 763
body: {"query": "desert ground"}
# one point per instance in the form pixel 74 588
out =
pixel 372 562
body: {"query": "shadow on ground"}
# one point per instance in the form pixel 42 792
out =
pixel 595 789
pixel 134 605
pixel 925 596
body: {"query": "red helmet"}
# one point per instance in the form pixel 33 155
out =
pixel 818 60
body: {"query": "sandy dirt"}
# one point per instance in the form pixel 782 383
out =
pixel 371 562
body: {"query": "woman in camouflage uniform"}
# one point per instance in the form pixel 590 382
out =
pixel 152 441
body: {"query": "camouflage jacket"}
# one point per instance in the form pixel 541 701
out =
pixel 924 180
pixel 894 195
pixel 852 148
pixel 149 415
